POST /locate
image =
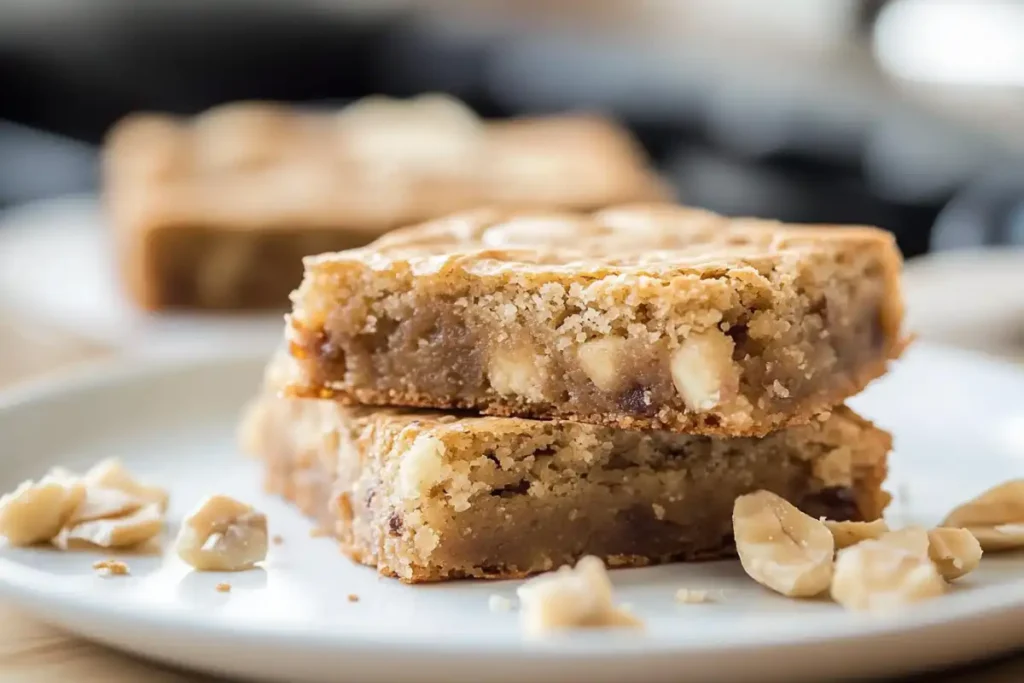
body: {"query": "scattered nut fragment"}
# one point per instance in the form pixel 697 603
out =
pixel 880 575
pixel 110 568
pixel 223 534
pixel 276 539
pixel 571 598
pixel 223 587
pixel 499 603
pixel 601 361
pixel 703 371
pixel 103 503
pixel 106 508
pixel 780 547
pixel 913 539
pixel 352 597
pixel 35 512
pixel 851 533
pixel 115 532
pixel 996 517
pixel 955 552
pixel 111 474
pixel 692 596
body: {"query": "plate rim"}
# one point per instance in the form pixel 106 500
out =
pixel 19 584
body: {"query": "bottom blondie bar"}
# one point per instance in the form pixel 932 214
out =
pixel 427 496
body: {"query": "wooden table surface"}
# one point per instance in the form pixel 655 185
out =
pixel 33 652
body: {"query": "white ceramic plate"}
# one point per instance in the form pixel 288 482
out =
pixel 959 423
pixel 57 266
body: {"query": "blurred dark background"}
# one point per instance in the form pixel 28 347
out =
pixel 905 114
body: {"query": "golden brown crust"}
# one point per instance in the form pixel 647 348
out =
pixel 785 321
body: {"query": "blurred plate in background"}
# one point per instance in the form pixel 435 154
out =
pixel 57 268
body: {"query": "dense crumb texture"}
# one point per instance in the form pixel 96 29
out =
pixel 430 497
pixel 652 317
pixel 217 211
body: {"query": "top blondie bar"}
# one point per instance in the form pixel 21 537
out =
pixel 217 210
pixel 641 317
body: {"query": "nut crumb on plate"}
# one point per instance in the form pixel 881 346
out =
pixel 996 517
pixel 780 547
pixel 499 603
pixel 110 568
pixel 568 598
pixel 277 539
pixel 693 596
pixel 223 587
pixel 352 597
pixel 223 534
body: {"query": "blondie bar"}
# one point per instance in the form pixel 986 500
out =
pixel 643 317
pixel 218 211
pixel 426 496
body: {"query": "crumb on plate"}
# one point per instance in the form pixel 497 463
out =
pixel 110 568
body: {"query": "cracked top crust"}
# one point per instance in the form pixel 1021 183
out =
pixel 374 165
pixel 637 240
pixel 654 253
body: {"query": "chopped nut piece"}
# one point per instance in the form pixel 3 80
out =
pixel 881 576
pixel 851 533
pixel 35 512
pixel 103 503
pixel 693 596
pixel 571 598
pixel 955 552
pixel 276 539
pixel 110 568
pixel 499 603
pixel 117 532
pixel 780 547
pixel 223 587
pixel 703 371
pixel 352 597
pixel 996 517
pixel 516 374
pixel 913 539
pixel 601 360
pixel 223 534
pixel 111 474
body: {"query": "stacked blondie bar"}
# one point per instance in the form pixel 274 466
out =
pixel 501 392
